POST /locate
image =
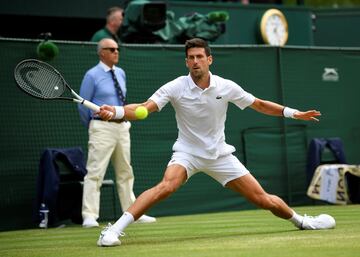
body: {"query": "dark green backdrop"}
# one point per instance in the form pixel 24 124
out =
pixel 336 26
pixel 274 149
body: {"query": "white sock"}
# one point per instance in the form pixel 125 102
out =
pixel 125 220
pixel 296 219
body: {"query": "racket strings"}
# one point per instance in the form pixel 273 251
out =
pixel 39 80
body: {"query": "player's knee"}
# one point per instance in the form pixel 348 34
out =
pixel 165 189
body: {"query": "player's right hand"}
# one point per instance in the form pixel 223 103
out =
pixel 107 112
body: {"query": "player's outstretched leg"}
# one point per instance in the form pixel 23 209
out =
pixel 248 186
pixel 175 175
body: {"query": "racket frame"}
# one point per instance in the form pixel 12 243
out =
pixel 77 99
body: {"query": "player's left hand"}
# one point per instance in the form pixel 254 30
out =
pixel 308 115
pixel 107 112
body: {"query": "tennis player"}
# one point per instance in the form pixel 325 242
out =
pixel 200 100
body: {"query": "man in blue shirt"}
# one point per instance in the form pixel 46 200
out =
pixel 105 83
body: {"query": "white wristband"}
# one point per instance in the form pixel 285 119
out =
pixel 289 112
pixel 119 112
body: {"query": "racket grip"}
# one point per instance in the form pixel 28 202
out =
pixel 92 106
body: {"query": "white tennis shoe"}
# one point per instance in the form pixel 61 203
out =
pixel 90 223
pixel 146 219
pixel 323 221
pixel 108 237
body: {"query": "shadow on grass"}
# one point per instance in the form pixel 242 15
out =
pixel 215 236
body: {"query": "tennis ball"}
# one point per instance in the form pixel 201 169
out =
pixel 141 112
pixel 47 50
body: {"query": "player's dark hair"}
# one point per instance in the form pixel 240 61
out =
pixel 197 42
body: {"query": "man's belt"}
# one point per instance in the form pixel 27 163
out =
pixel 116 121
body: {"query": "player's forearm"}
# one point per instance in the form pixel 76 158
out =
pixel 274 109
pixel 126 112
pixel 129 111
pixel 268 107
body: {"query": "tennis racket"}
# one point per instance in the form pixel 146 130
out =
pixel 41 80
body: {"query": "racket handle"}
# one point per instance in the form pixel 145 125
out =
pixel 92 106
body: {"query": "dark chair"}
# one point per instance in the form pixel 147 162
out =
pixel 59 185
pixel 71 191
pixel 324 151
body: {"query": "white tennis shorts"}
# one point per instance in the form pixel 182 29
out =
pixel 223 169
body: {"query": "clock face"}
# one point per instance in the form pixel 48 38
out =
pixel 274 28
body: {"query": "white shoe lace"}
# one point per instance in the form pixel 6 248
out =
pixel 302 222
pixel 107 227
pixel 308 217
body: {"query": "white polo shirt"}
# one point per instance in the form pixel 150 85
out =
pixel 201 114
